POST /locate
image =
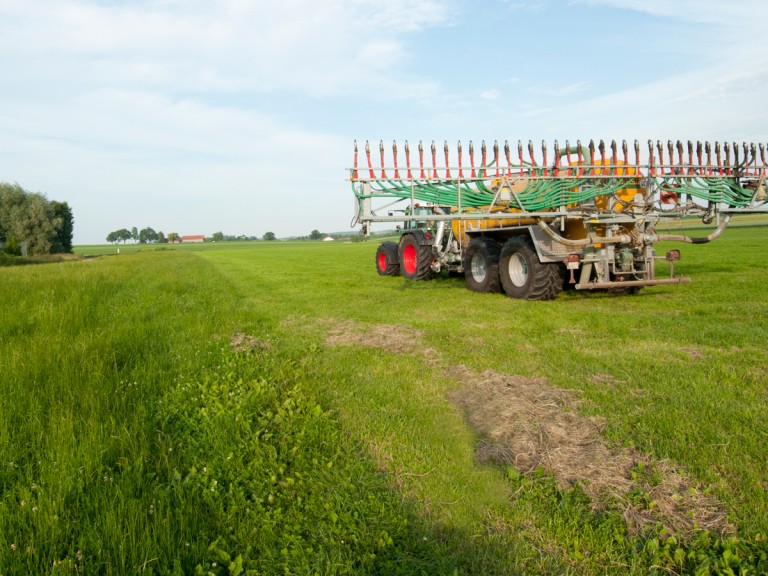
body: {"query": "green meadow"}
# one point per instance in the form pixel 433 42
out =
pixel 279 408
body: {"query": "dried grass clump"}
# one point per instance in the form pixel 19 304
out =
pixel 243 343
pixel 528 424
pixel 394 338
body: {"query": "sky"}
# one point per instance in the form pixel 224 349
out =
pixel 240 116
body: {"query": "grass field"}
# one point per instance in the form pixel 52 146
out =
pixel 280 408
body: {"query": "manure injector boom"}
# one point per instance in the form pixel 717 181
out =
pixel 582 216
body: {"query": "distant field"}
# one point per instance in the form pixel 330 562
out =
pixel 279 407
pixel 132 248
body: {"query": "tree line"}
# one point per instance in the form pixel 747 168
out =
pixel 143 236
pixel 148 236
pixel 46 226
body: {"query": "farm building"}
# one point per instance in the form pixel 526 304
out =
pixel 193 238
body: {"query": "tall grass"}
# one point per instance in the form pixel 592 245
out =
pixel 87 351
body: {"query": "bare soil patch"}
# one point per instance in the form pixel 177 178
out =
pixel 607 380
pixel 241 342
pixel 693 352
pixel 390 337
pixel 528 424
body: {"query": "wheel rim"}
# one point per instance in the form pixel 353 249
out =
pixel 382 261
pixel 518 270
pixel 409 258
pixel 478 267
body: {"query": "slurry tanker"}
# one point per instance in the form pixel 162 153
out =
pixel 583 216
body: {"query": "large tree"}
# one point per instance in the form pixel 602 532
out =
pixel 29 217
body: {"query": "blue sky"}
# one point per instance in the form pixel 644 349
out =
pixel 197 116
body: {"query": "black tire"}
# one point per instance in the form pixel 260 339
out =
pixel 415 259
pixel 387 263
pixel 523 276
pixel 481 265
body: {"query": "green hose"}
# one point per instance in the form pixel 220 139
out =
pixel 544 193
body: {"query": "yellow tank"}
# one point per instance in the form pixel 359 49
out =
pixel 625 195
pixel 461 227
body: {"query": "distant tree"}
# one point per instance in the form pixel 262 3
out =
pixel 62 243
pixel 123 234
pixel 173 237
pixel 135 234
pixel 315 235
pixel 161 237
pixel 269 236
pixel 218 236
pixel 119 235
pixel 147 235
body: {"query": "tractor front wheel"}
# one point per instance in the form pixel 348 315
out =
pixel 415 259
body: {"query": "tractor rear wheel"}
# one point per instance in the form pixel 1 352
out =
pixel 387 263
pixel 524 276
pixel 415 259
pixel 481 265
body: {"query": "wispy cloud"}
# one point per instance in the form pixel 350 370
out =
pixel 492 94
pixel 568 90
pixel 688 10
pixel 225 45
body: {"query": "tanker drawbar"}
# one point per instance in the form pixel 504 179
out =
pixel 533 222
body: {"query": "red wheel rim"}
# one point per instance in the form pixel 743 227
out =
pixel 409 258
pixel 382 262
